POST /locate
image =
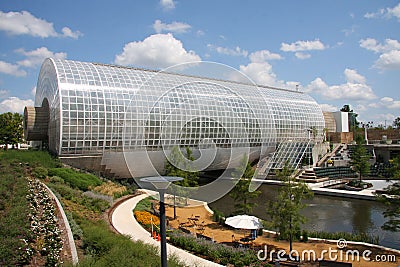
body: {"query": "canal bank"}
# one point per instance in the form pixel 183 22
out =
pixel 325 213
pixel 321 189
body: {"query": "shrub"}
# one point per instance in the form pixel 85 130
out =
pixel 76 179
pixel 144 204
pixel 111 189
pixel 40 172
pixel 109 249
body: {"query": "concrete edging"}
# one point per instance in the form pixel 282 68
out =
pixel 71 241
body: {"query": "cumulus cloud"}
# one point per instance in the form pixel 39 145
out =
pixel 386 102
pixel 11 69
pixel 156 51
pixel 328 108
pixel 389 61
pixel 167 4
pixel 263 55
pixel 261 73
pixel 303 46
pixel 36 57
pixel 355 88
pixel 237 51
pixel 386 13
pixel 353 77
pixel 67 32
pixel 373 45
pixel 174 27
pixel 389 50
pixel 19 23
pixel 300 55
pixel 14 104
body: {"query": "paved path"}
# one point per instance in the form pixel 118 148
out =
pixel 125 223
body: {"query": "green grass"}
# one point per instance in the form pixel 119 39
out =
pixel 30 157
pixel 14 224
pixel 144 204
pixel 105 248
pixel 76 179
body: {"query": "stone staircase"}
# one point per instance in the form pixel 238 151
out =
pixel 309 176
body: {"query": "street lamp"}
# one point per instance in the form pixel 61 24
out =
pixel 161 184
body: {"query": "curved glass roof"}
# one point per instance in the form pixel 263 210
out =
pixel 97 108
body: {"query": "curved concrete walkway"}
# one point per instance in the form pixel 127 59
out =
pixel 125 223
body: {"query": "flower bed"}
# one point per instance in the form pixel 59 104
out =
pixel 46 241
pixel 145 218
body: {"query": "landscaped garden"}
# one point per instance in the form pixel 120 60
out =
pixel 30 234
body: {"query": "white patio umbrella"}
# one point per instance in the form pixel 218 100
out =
pixel 244 222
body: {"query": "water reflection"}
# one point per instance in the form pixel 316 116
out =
pixel 330 214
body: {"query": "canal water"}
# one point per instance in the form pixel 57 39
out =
pixel 326 213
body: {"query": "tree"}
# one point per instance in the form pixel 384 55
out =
pixel 359 161
pixel 11 129
pixel 240 193
pixel 285 211
pixel 396 123
pixel 177 165
pixel 391 198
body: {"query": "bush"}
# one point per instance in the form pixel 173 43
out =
pixel 76 179
pixel 219 253
pixel 109 249
pixel 40 172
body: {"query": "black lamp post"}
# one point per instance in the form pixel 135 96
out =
pixel 161 184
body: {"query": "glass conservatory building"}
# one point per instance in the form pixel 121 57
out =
pixel 125 121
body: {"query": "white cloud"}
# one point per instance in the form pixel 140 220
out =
pixel 316 86
pixel 174 27
pixel 156 51
pixel 390 53
pixel 237 51
pixel 300 55
pixel 389 61
pixel 386 102
pixel 36 57
pixel 354 89
pixel 387 13
pixel 263 55
pixel 19 23
pixel 303 46
pixel 353 77
pixel 261 73
pixel 14 104
pixel 11 69
pixel 167 4
pixel 373 45
pixel 350 91
pixel 67 32
pixel 328 108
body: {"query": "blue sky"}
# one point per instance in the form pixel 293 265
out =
pixel 340 52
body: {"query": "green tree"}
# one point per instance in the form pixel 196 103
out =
pixel 11 129
pixel 240 193
pixel 359 161
pixel 391 199
pixel 177 165
pixel 396 123
pixel 285 211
